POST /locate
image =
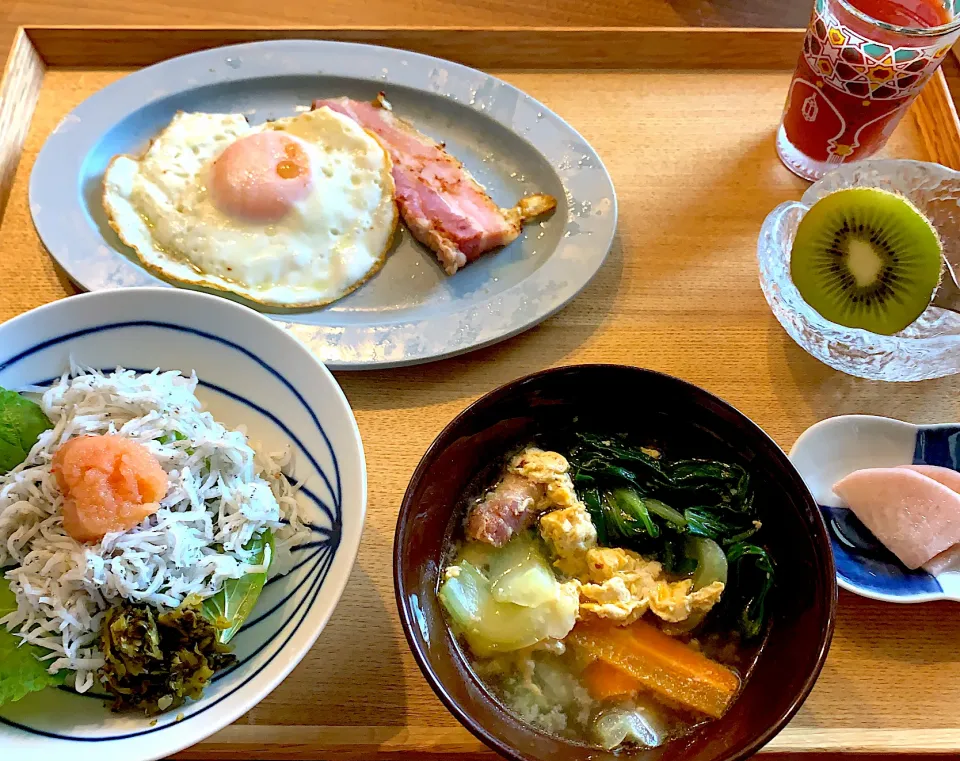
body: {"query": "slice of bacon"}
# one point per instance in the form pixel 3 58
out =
pixel 445 208
pixel 509 508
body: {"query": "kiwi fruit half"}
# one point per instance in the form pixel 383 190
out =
pixel 866 258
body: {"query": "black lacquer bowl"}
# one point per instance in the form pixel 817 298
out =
pixel 688 422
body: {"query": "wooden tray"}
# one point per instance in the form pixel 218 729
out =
pixel 684 120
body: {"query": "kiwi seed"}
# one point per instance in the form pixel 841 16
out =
pixel 866 258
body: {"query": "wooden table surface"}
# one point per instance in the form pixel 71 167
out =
pixel 793 369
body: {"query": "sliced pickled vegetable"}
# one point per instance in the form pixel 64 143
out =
pixel 520 573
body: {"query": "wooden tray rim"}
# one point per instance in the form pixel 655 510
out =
pixel 39 47
pixel 506 47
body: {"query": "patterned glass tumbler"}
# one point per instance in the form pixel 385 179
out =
pixel 863 62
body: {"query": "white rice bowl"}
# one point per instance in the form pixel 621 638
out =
pixel 251 375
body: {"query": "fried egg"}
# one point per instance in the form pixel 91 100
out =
pixel 297 212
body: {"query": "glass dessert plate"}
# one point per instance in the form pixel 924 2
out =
pixel 930 347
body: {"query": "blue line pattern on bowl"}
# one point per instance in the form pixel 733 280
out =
pixel 322 554
pixel 217 339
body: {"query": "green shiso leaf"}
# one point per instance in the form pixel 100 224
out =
pixel 235 601
pixel 21 423
pixel 20 671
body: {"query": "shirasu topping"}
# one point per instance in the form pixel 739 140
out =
pixel 221 493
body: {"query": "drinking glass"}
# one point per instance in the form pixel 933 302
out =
pixel 862 64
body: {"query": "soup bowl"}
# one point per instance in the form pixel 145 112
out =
pixel 685 420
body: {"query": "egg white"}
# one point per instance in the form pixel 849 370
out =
pixel 327 245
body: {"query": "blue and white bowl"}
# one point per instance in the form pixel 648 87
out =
pixel 834 448
pixel 251 373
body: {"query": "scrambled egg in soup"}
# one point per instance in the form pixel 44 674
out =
pixel 549 469
pixel 615 583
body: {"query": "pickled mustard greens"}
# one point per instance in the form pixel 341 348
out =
pixel 684 513
pixel 155 661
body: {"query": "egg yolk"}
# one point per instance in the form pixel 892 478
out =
pixel 259 178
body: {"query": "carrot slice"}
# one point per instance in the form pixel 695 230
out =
pixel 661 664
pixel 604 680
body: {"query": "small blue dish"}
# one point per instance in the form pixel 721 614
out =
pixel 834 448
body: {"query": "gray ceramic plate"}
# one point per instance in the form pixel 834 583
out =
pixel 410 312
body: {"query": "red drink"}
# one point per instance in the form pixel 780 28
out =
pixel 863 62
pixel 918 14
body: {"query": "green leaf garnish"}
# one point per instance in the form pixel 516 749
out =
pixel 20 671
pixel 235 601
pixel 21 423
pixel 172 436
